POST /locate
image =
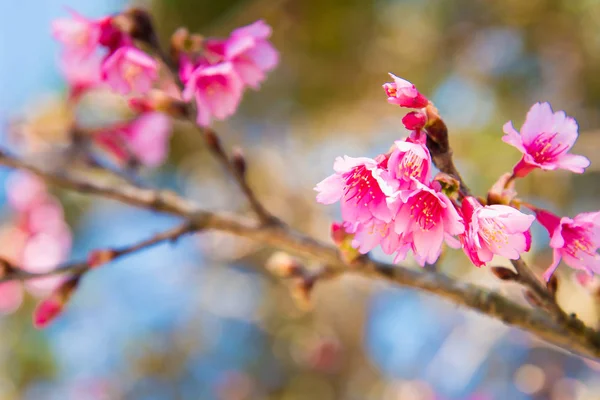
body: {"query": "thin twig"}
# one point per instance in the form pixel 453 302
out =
pixel 573 337
pixel 211 138
pixel 81 267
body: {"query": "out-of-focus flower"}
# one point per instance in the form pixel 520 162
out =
pixel 545 139
pixel 81 75
pixel 81 36
pixel 38 239
pixel 249 51
pixel 146 139
pixel 217 89
pixel 362 185
pixel 403 93
pixel 425 218
pixel 78 34
pixel 576 240
pixel 128 69
pixel 495 229
pixel 378 233
pixel 410 159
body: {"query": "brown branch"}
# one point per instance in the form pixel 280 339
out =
pixel 81 267
pixel 572 337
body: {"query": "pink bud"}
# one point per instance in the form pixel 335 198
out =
pixel 414 120
pixel 404 93
pixel 51 307
pixel 47 311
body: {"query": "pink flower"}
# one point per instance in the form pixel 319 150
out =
pixel 576 241
pixel 362 185
pixel 414 120
pixel 82 36
pixel 425 217
pixel 25 191
pixel 79 35
pixel 129 69
pixel 495 229
pixel 545 139
pixel 249 51
pixel 145 139
pixel 81 75
pixel 379 233
pixel 404 93
pixel 11 296
pixel 217 89
pixel 410 159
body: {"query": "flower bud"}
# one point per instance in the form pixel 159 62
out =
pixel 503 191
pixel 450 185
pixel 414 120
pixel 238 161
pixel 343 240
pixel 552 285
pixel 301 291
pixel 137 23
pixel 283 265
pixel 404 93
pixel 51 307
pixel 183 42
pixel 100 257
pixel 505 274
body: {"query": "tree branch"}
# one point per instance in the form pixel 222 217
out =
pixel 81 267
pixel 571 337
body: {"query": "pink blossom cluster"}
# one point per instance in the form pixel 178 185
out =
pixel 124 67
pixel 391 201
pixel 217 77
pixel 97 53
pixel 37 239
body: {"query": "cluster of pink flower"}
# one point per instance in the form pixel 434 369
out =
pixel 215 74
pixel 37 240
pixel 391 200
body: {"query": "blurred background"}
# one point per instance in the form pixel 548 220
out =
pixel 199 320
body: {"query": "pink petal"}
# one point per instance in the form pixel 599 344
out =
pixel 258 29
pixel 540 118
pixel 11 296
pixel 556 256
pixel 330 189
pixel 512 137
pixel 573 162
pixel 264 55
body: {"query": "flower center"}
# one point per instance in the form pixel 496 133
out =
pixel 492 232
pixel 131 72
pixel 426 210
pixel 578 241
pixel 411 165
pixel 545 148
pixel 361 186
